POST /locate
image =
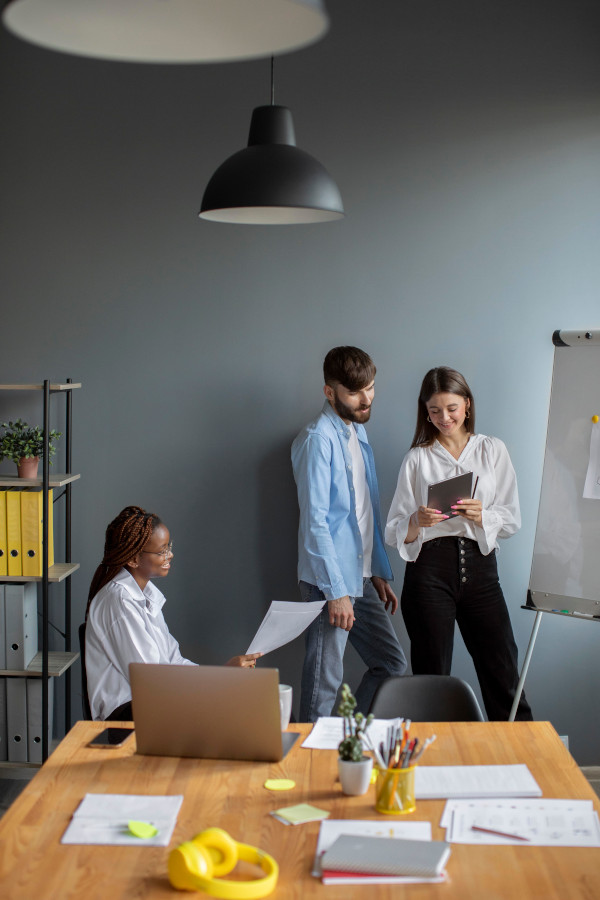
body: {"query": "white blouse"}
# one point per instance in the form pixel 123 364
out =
pixel 486 457
pixel 125 624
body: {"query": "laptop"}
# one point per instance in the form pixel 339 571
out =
pixel 208 712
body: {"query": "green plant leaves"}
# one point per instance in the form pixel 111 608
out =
pixel 21 440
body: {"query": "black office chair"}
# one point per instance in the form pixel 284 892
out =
pixel 87 712
pixel 426 698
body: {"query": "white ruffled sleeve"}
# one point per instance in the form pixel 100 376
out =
pixel 501 517
pixel 403 506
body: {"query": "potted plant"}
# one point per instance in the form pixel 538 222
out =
pixel 24 444
pixel 354 766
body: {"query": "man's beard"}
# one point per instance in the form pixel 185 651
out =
pixel 353 415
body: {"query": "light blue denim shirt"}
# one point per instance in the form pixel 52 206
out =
pixel 330 552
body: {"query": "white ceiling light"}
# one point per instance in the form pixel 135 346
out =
pixel 168 31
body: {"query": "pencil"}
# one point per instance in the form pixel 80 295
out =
pixel 516 837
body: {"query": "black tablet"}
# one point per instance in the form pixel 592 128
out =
pixel 444 494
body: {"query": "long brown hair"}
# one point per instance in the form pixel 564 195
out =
pixel 126 536
pixel 442 380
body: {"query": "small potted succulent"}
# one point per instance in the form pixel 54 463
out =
pixel 354 766
pixel 24 444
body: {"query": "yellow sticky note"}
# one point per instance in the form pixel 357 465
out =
pixel 279 784
pixel 301 813
pixel 142 829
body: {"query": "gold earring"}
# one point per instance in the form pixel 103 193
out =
pixel 429 420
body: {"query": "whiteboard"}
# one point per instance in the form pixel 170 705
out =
pixel 566 558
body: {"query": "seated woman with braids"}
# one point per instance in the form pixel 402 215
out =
pixel 124 620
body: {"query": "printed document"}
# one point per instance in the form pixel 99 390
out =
pixel 282 623
pixel 542 823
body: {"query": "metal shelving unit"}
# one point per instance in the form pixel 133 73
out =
pixel 49 663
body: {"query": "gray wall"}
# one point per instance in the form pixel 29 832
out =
pixel 465 139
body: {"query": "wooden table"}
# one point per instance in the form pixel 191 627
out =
pixel 35 866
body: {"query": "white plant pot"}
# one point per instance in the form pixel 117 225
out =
pixel 355 777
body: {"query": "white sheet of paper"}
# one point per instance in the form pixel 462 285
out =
pixel 591 488
pixel 328 731
pixel 435 782
pixel 283 622
pixel 515 802
pixel 104 818
pixel 546 823
pixel 332 828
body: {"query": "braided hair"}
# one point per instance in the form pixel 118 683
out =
pixel 126 536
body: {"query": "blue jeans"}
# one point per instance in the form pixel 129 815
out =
pixel 372 636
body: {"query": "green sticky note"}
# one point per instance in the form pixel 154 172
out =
pixel 142 829
pixel 301 813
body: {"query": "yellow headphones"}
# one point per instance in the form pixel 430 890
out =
pixel 199 864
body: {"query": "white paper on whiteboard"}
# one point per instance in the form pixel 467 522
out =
pixel 283 622
pixel 591 488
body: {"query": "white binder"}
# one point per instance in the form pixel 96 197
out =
pixel 20 602
pixel 34 717
pixel 16 707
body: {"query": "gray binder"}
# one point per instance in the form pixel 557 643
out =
pixel 16 707
pixel 21 638
pixel 34 717
pixel 3 725
pixel 2 630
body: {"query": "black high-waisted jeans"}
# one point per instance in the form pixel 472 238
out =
pixel 452 581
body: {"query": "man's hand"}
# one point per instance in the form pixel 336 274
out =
pixel 244 662
pixel 386 594
pixel 341 613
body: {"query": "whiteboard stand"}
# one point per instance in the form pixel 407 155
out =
pixel 564 578
pixel 519 691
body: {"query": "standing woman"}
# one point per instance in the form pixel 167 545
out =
pixel 452 574
pixel 124 620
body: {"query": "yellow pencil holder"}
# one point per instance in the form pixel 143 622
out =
pixel 395 791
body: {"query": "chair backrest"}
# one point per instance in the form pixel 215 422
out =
pixel 426 698
pixel 87 712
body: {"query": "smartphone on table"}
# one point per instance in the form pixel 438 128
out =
pixel 111 737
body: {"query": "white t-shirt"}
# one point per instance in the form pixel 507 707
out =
pixel 125 625
pixel 486 457
pixel 362 499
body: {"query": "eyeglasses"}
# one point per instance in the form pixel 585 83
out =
pixel 168 551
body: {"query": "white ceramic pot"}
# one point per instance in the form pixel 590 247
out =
pixel 355 777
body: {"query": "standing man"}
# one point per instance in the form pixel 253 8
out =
pixel 341 553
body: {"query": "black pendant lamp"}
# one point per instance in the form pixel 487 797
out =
pixel 168 31
pixel 271 181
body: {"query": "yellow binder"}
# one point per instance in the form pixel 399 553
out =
pixel 13 532
pixel 31 531
pixel 3 544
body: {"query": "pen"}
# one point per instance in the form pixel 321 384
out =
pixel 474 487
pixel 516 837
pixel 428 742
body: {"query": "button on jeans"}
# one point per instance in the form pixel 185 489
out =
pixel 372 636
pixel 452 581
